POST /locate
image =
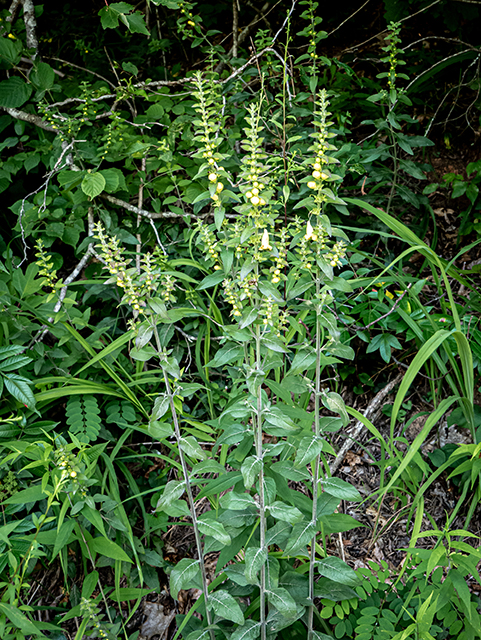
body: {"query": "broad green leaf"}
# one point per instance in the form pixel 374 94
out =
pixel 10 52
pixel 309 448
pixel 14 92
pixel 255 559
pixel 237 501
pixel 109 549
pixel 173 490
pixel 42 76
pixel 184 575
pixel 90 582
pixel 337 522
pixel 93 184
pixel 340 489
pixel 282 600
pixel 32 494
pixel 337 570
pixel 19 388
pixel 304 360
pixel 225 606
pixel 302 534
pixel 214 529
pixel 191 447
pixel 333 401
pixel 249 631
pixel 250 470
pixel 281 511
pixel 225 355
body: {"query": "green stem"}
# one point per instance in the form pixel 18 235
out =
pixel 315 480
pixel 262 513
pixel 395 171
pixel 188 488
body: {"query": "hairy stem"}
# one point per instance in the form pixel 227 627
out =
pixel 317 462
pixel 188 488
pixel 258 445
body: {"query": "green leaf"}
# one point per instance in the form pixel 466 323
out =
pixel 10 52
pixel 42 76
pixel 282 600
pixel 184 575
pixel 281 511
pixel 136 23
pixel 225 606
pixel 337 570
pixel 32 494
pixel 237 501
pixel 90 582
pixel 255 559
pixel 214 529
pixel 225 355
pixel 340 489
pixel 335 403
pixel 93 184
pixel 211 280
pixel 173 490
pixel 250 470
pixel 191 447
pixel 302 534
pixel 20 620
pixel 14 92
pixel 18 387
pixel 249 631
pixel 309 448
pixel 109 549
pixel 15 362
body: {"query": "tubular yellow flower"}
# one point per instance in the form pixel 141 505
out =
pixel 265 246
pixel 212 177
pixel 255 200
pixel 312 184
pixel 309 231
pixel 316 174
pixel 324 176
pixel 219 187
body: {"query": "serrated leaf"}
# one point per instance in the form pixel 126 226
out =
pixel 14 92
pixel 337 570
pixel 237 501
pixel 340 489
pixel 302 534
pixel 250 470
pixel 214 529
pixel 282 600
pixel 93 184
pixel 225 606
pixel 183 576
pixel 255 558
pixel 309 448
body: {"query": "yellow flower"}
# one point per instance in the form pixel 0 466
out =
pixel 219 187
pixel 11 36
pixel 324 176
pixel 73 474
pixel 191 23
pixel 316 174
pixel 255 200
pixel 389 294
pixel 248 195
pixel 216 267
pixel 312 184
pixel 265 246
pixel 212 177
pixel 309 230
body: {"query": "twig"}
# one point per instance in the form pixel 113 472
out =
pixel 372 408
pixel 76 66
pixel 28 117
pixel 139 217
pixel 347 19
pixel 141 212
pixel 391 309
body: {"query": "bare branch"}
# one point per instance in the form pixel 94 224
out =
pixel 76 66
pixel 372 409
pixel 28 117
pixel 30 26
pixel 13 11
pixel 140 212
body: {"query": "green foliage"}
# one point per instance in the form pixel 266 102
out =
pixel 206 277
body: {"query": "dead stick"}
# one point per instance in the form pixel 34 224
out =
pixel 372 408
